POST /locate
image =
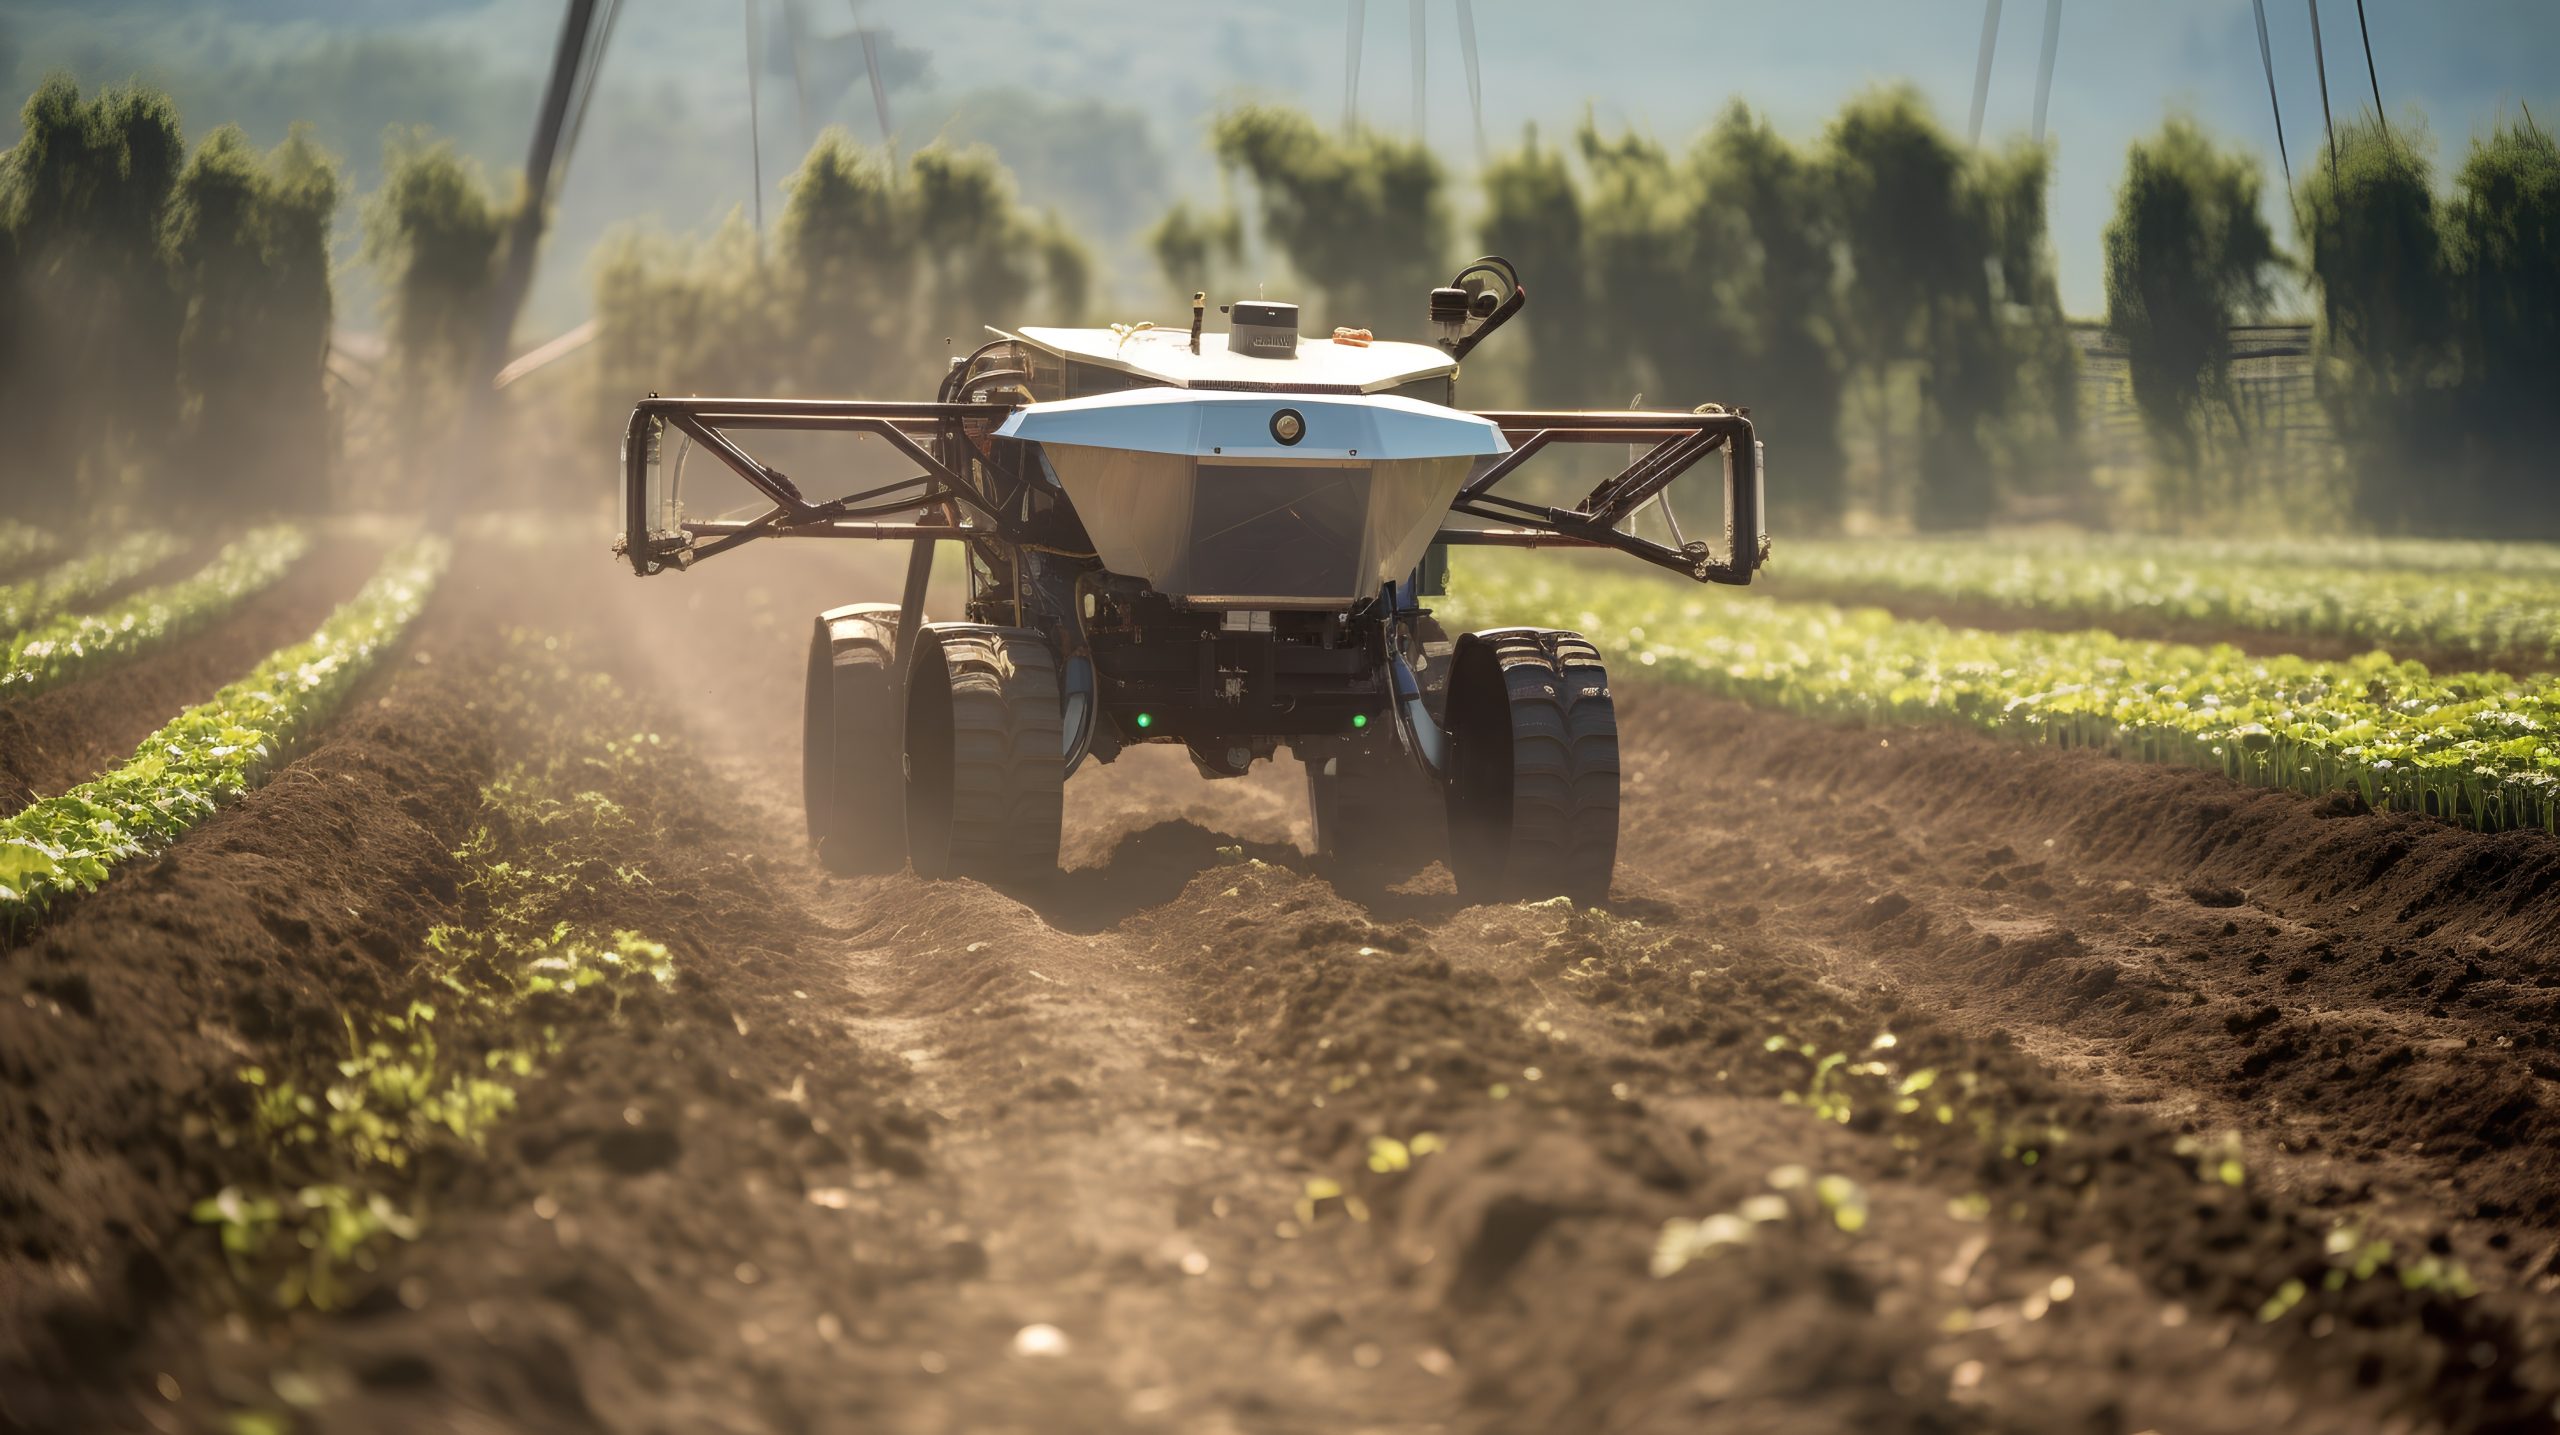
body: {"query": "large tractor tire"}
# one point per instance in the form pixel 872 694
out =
pixel 849 742
pixel 1533 767
pixel 986 767
pixel 1378 817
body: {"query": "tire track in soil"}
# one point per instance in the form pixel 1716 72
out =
pixel 64 736
pixel 2238 1385
pixel 825 1182
pixel 2368 997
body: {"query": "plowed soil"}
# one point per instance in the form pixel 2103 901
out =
pixel 2135 1068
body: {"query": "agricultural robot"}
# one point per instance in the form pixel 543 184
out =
pixel 1222 541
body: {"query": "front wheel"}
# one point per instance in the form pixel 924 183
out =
pixel 1533 767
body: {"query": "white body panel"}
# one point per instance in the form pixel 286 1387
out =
pixel 1192 492
pixel 1165 356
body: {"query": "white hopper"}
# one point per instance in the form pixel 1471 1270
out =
pixel 1196 492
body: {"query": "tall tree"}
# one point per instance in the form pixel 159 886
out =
pixel 1785 287
pixel 2502 250
pixel 1363 218
pixel 1534 218
pixel 2189 254
pixel 249 239
pixel 2371 238
pixel 90 381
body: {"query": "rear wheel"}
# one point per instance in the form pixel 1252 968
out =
pixel 849 770
pixel 1378 818
pixel 985 767
pixel 1533 767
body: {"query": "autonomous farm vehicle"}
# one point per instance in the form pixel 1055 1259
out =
pixel 1225 541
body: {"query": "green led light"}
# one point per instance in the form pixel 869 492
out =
pixel 1359 719
pixel 1146 720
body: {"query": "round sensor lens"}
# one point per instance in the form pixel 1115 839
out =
pixel 1288 426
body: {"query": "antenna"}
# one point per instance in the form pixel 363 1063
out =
pixel 2044 68
pixel 2321 63
pixel 1982 69
pixel 2266 57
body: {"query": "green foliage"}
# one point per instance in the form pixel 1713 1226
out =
pixel 2498 602
pixel 2502 251
pixel 342 1141
pixel 2370 237
pixel 1949 279
pixel 869 272
pixel 88 371
pixel 2475 748
pixel 1534 217
pixel 150 302
pixel 2188 256
pixel 432 236
pixel 249 239
pixel 23 543
pixel 209 754
pixel 1363 219
pixel 77 580
pixel 77 644
pixel 1785 295
pixel 1198 253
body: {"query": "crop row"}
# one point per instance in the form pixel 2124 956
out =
pixel 77 580
pixel 76 644
pixel 211 753
pixel 24 543
pixel 2477 748
pixel 2460 597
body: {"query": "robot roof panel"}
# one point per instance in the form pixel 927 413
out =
pixel 1377 428
pixel 1165 356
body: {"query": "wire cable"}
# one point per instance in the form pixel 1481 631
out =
pixel 1475 72
pixel 2266 57
pixel 1982 69
pixel 2044 67
pixel 1354 34
pixel 2321 63
pixel 2372 78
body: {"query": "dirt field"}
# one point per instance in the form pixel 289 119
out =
pixel 2160 1104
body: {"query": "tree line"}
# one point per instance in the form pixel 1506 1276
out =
pixel 1881 296
pixel 2437 318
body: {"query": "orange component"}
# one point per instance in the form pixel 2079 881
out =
pixel 1356 338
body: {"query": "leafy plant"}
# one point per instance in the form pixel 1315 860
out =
pixel 2475 748
pixel 77 580
pixel 211 753
pixel 77 644
pixel 2463 597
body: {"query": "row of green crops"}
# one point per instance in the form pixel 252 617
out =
pixel 24 543
pixel 76 644
pixel 2477 598
pixel 77 580
pixel 209 754
pixel 2476 748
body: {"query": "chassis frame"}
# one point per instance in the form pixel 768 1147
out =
pixel 942 502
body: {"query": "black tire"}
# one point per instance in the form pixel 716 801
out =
pixel 1378 817
pixel 985 766
pixel 1533 767
pixel 849 742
